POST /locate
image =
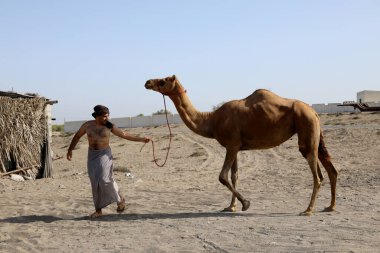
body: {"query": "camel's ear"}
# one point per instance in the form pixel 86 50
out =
pixel 174 77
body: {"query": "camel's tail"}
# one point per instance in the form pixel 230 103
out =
pixel 322 150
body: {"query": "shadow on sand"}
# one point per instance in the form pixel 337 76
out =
pixel 138 217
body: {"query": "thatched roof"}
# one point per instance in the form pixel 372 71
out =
pixel 12 94
pixel 23 129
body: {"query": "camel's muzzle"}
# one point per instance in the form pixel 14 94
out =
pixel 148 85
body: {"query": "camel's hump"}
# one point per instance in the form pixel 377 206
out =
pixel 262 94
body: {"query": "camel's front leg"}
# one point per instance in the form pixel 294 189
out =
pixel 234 180
pixel 223 178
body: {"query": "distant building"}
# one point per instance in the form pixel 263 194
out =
pixel 367 96
pixel 367 100
pixel 333 108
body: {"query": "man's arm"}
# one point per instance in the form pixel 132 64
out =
pixel 75 140
pixel 122 134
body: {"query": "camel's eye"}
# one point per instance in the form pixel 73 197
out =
pixel 162 83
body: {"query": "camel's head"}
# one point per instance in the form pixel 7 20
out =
pixel 166 86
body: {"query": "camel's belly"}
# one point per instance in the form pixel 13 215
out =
pixel 255 140
pixel 273 137
pixel 262 143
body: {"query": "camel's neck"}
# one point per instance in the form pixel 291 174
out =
pixel 198 122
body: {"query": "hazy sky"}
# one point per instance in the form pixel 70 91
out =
pixel 84 53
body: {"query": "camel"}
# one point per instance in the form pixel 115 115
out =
pixel 262 120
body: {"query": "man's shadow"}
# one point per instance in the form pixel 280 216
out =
pixel 134 217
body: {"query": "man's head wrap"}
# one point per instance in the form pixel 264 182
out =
pixel 100 110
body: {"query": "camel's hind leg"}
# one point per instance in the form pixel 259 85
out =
pixel 310 142
pixel 319 173
pixel 313 164
pixel 333 176
pixel 223 176
pixel 234 180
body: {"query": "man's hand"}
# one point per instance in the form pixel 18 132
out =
pixel 146 139
pixel 69 155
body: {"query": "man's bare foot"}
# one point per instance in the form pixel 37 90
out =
pixel 121 205
pixel 96 214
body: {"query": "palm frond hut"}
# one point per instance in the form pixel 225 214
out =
pixel 25 135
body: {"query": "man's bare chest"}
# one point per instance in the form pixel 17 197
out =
pixel 95 132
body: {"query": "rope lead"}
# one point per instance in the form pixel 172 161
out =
pixel 170 140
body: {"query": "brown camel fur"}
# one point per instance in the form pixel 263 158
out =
pixel 262 120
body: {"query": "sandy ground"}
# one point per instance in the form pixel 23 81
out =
pixel 177 208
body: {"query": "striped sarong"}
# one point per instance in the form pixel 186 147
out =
pixel 100 170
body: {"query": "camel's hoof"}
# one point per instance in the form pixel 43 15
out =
pixel 246 205
pixel 306 213
pixel 329 209
pixel 229 209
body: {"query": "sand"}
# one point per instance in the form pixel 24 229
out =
pixel 176 208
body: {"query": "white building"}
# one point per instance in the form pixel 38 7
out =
pixel 366 96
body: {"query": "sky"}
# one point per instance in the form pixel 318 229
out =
pixel 88 52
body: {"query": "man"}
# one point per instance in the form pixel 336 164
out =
pixel 99 162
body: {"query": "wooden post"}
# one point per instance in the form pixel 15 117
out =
pixel 2 166
pixel 18 170
pixel 48 162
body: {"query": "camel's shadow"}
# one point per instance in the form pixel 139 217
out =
pixel 135 217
